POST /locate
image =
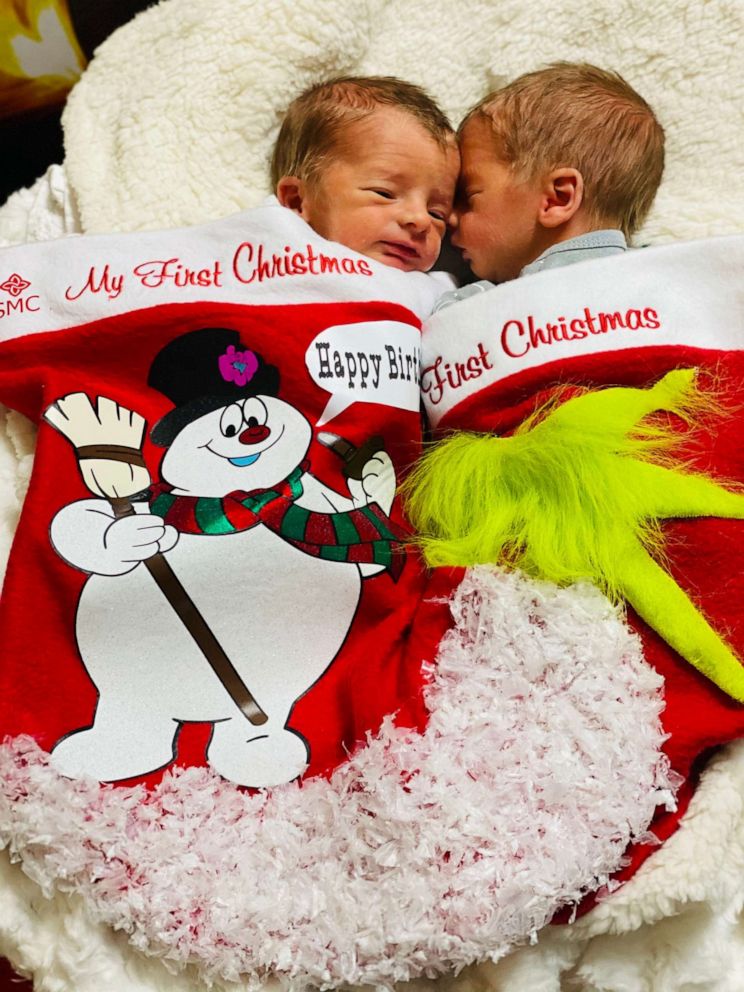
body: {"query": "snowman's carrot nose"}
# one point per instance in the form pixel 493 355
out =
pixel 252 435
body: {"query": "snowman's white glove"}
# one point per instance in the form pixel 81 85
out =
pixel 377 484
pixel 90 537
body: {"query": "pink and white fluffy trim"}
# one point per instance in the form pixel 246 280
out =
pixel 423 853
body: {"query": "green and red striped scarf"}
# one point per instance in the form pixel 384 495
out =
pixel 362 536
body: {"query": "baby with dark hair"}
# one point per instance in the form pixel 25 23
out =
pixel 370 162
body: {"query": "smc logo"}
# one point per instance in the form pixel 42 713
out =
pixel 15 286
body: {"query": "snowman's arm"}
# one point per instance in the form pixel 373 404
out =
pixel 321 498
pixel 377 484
pixel 88 536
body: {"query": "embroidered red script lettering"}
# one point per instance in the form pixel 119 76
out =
pixel 253 263
pixel 435 378
pixel 518 336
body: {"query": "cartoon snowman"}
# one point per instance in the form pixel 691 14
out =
pixel 259 547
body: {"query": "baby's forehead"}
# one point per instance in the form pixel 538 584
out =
pixel 390 129
pixel 479 145
pixel 392 140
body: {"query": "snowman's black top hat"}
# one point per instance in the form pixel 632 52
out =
pixel 202 371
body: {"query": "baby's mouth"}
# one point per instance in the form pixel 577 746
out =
pixel 400 249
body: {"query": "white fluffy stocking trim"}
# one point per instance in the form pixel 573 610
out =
pixel 423 853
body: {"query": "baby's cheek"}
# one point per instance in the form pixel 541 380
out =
pixel 432 253
pixel 469 228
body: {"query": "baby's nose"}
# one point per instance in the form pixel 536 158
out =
pixel 416 216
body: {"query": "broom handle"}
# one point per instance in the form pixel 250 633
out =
pixel 182 604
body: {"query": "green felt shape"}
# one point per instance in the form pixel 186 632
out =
pixel 579 492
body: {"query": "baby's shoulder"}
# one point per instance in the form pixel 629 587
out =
pixel 463 293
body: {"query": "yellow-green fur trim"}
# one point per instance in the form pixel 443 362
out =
pixel 578 493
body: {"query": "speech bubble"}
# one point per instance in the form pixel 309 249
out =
pixel 374 361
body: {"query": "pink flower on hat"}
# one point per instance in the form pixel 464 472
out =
pixel 238 366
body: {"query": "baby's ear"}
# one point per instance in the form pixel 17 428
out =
pixel 562 196
pixel 290 192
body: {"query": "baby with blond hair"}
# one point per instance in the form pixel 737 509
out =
pixel 559 166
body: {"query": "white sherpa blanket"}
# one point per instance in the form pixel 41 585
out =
pixel 172 124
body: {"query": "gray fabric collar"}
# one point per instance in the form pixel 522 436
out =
pixel 594 244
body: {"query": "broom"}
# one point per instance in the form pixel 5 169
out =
pixel 107 439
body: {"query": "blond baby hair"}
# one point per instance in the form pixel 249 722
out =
pixel 316 120
pixel 578 116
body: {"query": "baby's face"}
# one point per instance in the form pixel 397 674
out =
pixel 387 192
pixel 496 215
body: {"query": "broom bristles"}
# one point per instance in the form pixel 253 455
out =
pixel 106 424
pixel 82 423
pixel 113 480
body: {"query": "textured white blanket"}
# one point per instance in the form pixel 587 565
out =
pixel 172 124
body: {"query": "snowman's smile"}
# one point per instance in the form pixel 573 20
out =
pixel 248 460
pixel 241 461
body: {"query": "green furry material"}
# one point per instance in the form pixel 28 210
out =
pixel 561 497
pixel 578 492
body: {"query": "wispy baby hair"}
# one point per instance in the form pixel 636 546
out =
pixel 316 120
pixel 579 116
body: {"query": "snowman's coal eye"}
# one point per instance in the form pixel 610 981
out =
pixel 231 420
pixel 255 413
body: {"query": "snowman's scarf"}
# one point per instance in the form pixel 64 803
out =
pixel 362 536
